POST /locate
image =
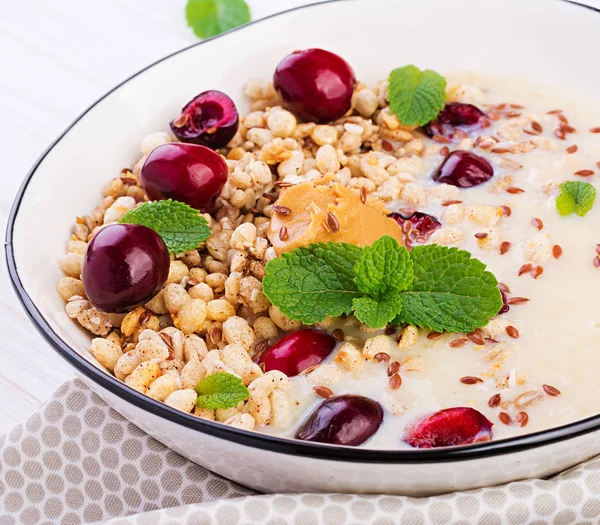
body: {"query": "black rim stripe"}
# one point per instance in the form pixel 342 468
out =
pixel 253 439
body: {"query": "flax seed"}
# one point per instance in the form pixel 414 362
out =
pixel 386 145
pixel 395 382
pixel 524 269
pixel 554 112
pixel 517 300
pixel 332 222
pixel 406 227
pixel 598 249
pixel 522 419
pixel 282 210
pixel 476 337
pixel 381 357
pixel 338 334
pixel 363 194
pixel 216 334
pixel 536 271
pixel 323 391
pixel 458 343
pixel 129 181
pixel 308 370
pixel 441 139
pixel 596 262
pixel 481 235
pixel 494 401
pixel 390 330
pixel 444 151
pixel 536 126
pixel 584 173
pixel 432 336
pixel 595 130
pixel 514 191
pixel 261 346
pixel 551 390
pixel 504 418
pixel 393 368
pixel 566 128
pixel 282 184
pixel 145 317
pixel 572 149
pixel 470 380
pixel 556 251
pixel 563 119
pixel 512 332
pixel 504 247
pixel 283 234
pixel 559 134
pixel 537 223
pixel 504 287
pixel 449 203
pixel 500 151
pixel 506 211
pixel 167 339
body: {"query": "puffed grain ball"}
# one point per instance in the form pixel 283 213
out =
pixel 323 134
pixel 106 352
pixel 281 412
pixel 194 347
pixel 143 375
pixel 69 286
pixel 183 400
pixel 241 421
pixel 175 297
pixel 237 331
pixel 350 142
pixel 408 337
pixel 157 304
pixel 260 173
pixel 243 236
pixel 327 159
pixel 95 321
pixel 126 364
pixel 198 273
pixel 177 271
pixel 447 236
pixel 377 345
pixel 219 310
pixel 292 165
pixel 281 122
pixel 484 214
pixel 257 89
pixel 325 375
pixel 131 321
pixel 71 264
pixel 412 165
pixel 254 119
pixel 365 102
pixel 444 192
pixel 282 321
pixel 538 248
pixel 192 373
pixel 414 195
pixel 119 208
pixel 149 142
pixel 191 316
pixel 216 281
pixel 372 169
pixel 349 357
pixel 453 214
pixel 259 136
pixel 264 328
pixel 206 413
pixel 162 387
pixel 223 414
pixel 201 291
pixel 75 246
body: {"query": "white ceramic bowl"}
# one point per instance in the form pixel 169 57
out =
pixel 547 41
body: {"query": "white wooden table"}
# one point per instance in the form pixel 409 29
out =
pixel 57 58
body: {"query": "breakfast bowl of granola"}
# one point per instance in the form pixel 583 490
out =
pixel 379 272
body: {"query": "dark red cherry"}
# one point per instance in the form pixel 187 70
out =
pixel 297 351
pixel 464 170
pixel 315 85
pixel 209 119
pixel 124 266
pixel 505 308
pixel 450 427
pixel 456 114
pixel 343 420
pixel 422 223
pixel 184 172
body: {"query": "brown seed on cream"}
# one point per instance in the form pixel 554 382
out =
pixel 504 247
pixel 536 271
pixel 512 332
pixel 481 235
pixel 393 368
pixel 524 269
pixel 506 211
pixel 584 173
pixel 323 391
pixel 282 210
pixel 167 339
pixel 432 336
pixel 395 382
pixel 572 149
pixel 517 300
pixel 386 145
pixel 444 151
pixel 537 223
pixel 595 130
pixel 556 251
pixel 504 287
pixel 332 222
pixel 381 357
pixel 596 262
pixel 449 203
pixel 522 419
pixel 514 191
pixel 338 334
pixel 551 390
pixel 363 194
pixel 559 134
pixel 504 418
pixel 470 380
pixel 283 234
pixel 536 126
pixel 457 343
pixel 476 337
pixel 494 401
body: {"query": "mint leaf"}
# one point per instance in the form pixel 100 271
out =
pixel 220 390
pixel 181 227
pixel 451 292
pixel 575 196
pixel 212 17
pixel 415 96
pixel 377 313
pixel 382 267
pixel 310 283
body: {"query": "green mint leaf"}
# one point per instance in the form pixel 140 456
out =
pixel 310 283
pixel 212 17
pixel 451 292
pixel 377 313
pixel 575 197
pixel 220 390
pixel 382 267
pixel 181 227
pixel 415 96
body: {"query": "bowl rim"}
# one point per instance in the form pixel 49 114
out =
pixel 251 438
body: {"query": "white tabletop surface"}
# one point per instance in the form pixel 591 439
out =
pixel 57 58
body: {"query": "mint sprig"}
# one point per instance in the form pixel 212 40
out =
pixel 220 390
pixel 575 197
pixel 416 97
pixel 432 286
pixel 181 227
pixel 212 17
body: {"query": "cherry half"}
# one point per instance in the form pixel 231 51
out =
pixel 315 85
pixel 297 351
pixel 125 265
pixel 456 114
pixel 184 172
pixel 464 170
pixel 343 420
pixel 450 427
pixel 209 119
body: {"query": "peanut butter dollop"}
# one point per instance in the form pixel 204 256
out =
pixel 310 213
